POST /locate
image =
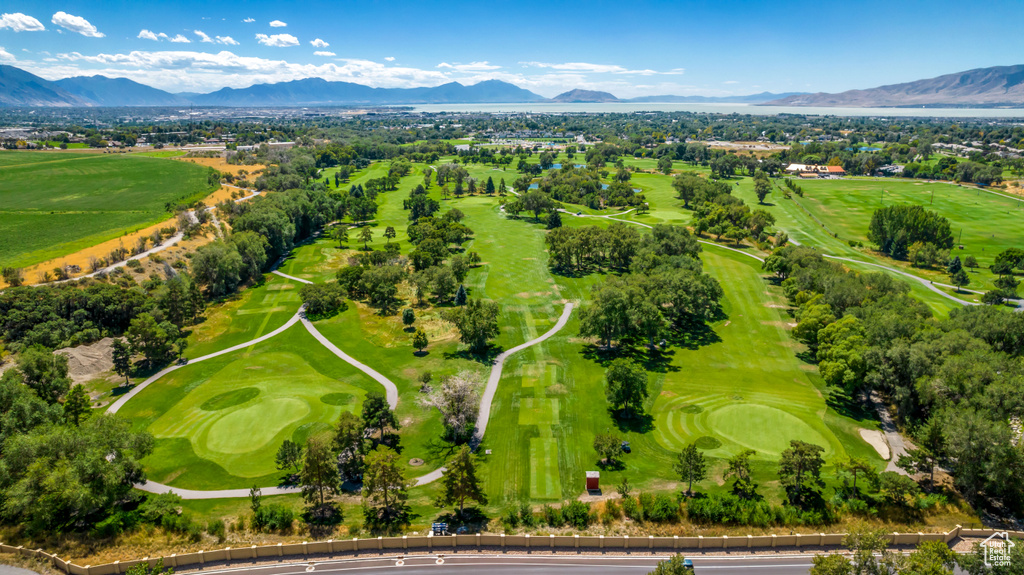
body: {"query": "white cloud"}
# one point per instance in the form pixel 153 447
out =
pixel 5 56
pixel 203 37
pixel 278 40
pixel 390 58
pixel 471 67
pixel 588 68
pixel 324 53
pixel 19 22
pixel 76 24
pixel 277 24
pixel 731 82
pixel 249 20
pixel 147 35
pixel 211 71
pixel 179 39
pixel 318 43
pixel 227 40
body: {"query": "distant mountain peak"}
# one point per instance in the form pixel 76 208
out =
pixel 998 86
pixel 579 96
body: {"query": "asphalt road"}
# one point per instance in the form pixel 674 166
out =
pixel 532 565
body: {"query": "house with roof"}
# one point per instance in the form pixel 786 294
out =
pixel 816 171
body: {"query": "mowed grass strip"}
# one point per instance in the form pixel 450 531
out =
pixel 52 204
pixel 219 423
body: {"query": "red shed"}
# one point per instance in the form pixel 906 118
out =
pixel 593 480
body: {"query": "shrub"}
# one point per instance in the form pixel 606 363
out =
pixel 632 509
pixel 134 264
pixel 217 529
pixel 663 508
pixel 274 517
pixel 510 519
pixel 526 515
pixel 577 514
pixel 612 511
pixel 553 516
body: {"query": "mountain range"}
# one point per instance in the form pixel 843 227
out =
pixel 1000 86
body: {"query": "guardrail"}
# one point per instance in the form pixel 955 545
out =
pixel 481 541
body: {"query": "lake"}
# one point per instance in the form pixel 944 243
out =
pixel 629 107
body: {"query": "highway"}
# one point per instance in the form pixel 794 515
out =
pixel 528 564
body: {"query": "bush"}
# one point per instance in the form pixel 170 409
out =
pixel 274 517
pixel 134 264
pixel 526 515
pixel 553 516
pixel 612 511
pixel 664 508
pixel 510 519
pixel 323 300
pixel 217 529
pixel 632 509
pixel 577 514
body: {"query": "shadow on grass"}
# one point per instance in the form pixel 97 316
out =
pixel 441 449
pixel 486 356
pixel 472 518
pixel 636 423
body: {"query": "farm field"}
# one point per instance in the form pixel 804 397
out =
pixel 983 223
pixel 55 203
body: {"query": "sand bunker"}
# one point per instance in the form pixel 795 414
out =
pixel 877 440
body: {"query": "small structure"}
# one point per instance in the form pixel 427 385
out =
pixel 593 481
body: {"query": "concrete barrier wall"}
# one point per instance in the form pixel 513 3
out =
pixel 475 541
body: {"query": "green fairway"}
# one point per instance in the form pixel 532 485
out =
pixel 218 423
pixel 983 223
pixel 56 203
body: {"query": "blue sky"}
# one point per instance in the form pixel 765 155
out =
pixel 628 48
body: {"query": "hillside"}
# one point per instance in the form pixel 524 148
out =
pixel 584 96
pixel 20 88
pixel 999 86
pixel 104 91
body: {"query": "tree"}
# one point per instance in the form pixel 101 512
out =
pixel 13 276
pixel 665 165
pixel 377 414
pixel 954 266
pixel 477 322
pixel 340 235
pixel 365 235
pixel 320 479
pixel 323 300
pixel 385 490
pixel 460 267
pixel 390 233
pixel 460 482
pixel 626 386
pixel 607 446
pixel 762 187
pixel 252 248
pixel 675 565
pixel 738 468
pixel 45 372
pixel 554 220
pixel 350 445
pixel 255 499
pixel 408 316
pixel 537 202
pixel 57 477
pixel 218 266
pixel 289 456
pixel 489 186
pixel 623 488
pixel 855 466
pixel 460 295
pixel 800 472
pixel 76 405
pixel 971 262
pixel 691 466
pixel 832 564
pixel 155 341
pixel 419 340
pixel 458 400
pixel 960 279
pixel 897 489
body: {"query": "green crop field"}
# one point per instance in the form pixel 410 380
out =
pixel 55 203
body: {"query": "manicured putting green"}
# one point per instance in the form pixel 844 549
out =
pixel 239 415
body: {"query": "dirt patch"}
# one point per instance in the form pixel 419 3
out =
pixel 876 440
pixel 221 165
pixel 776 305
pixel 87 362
